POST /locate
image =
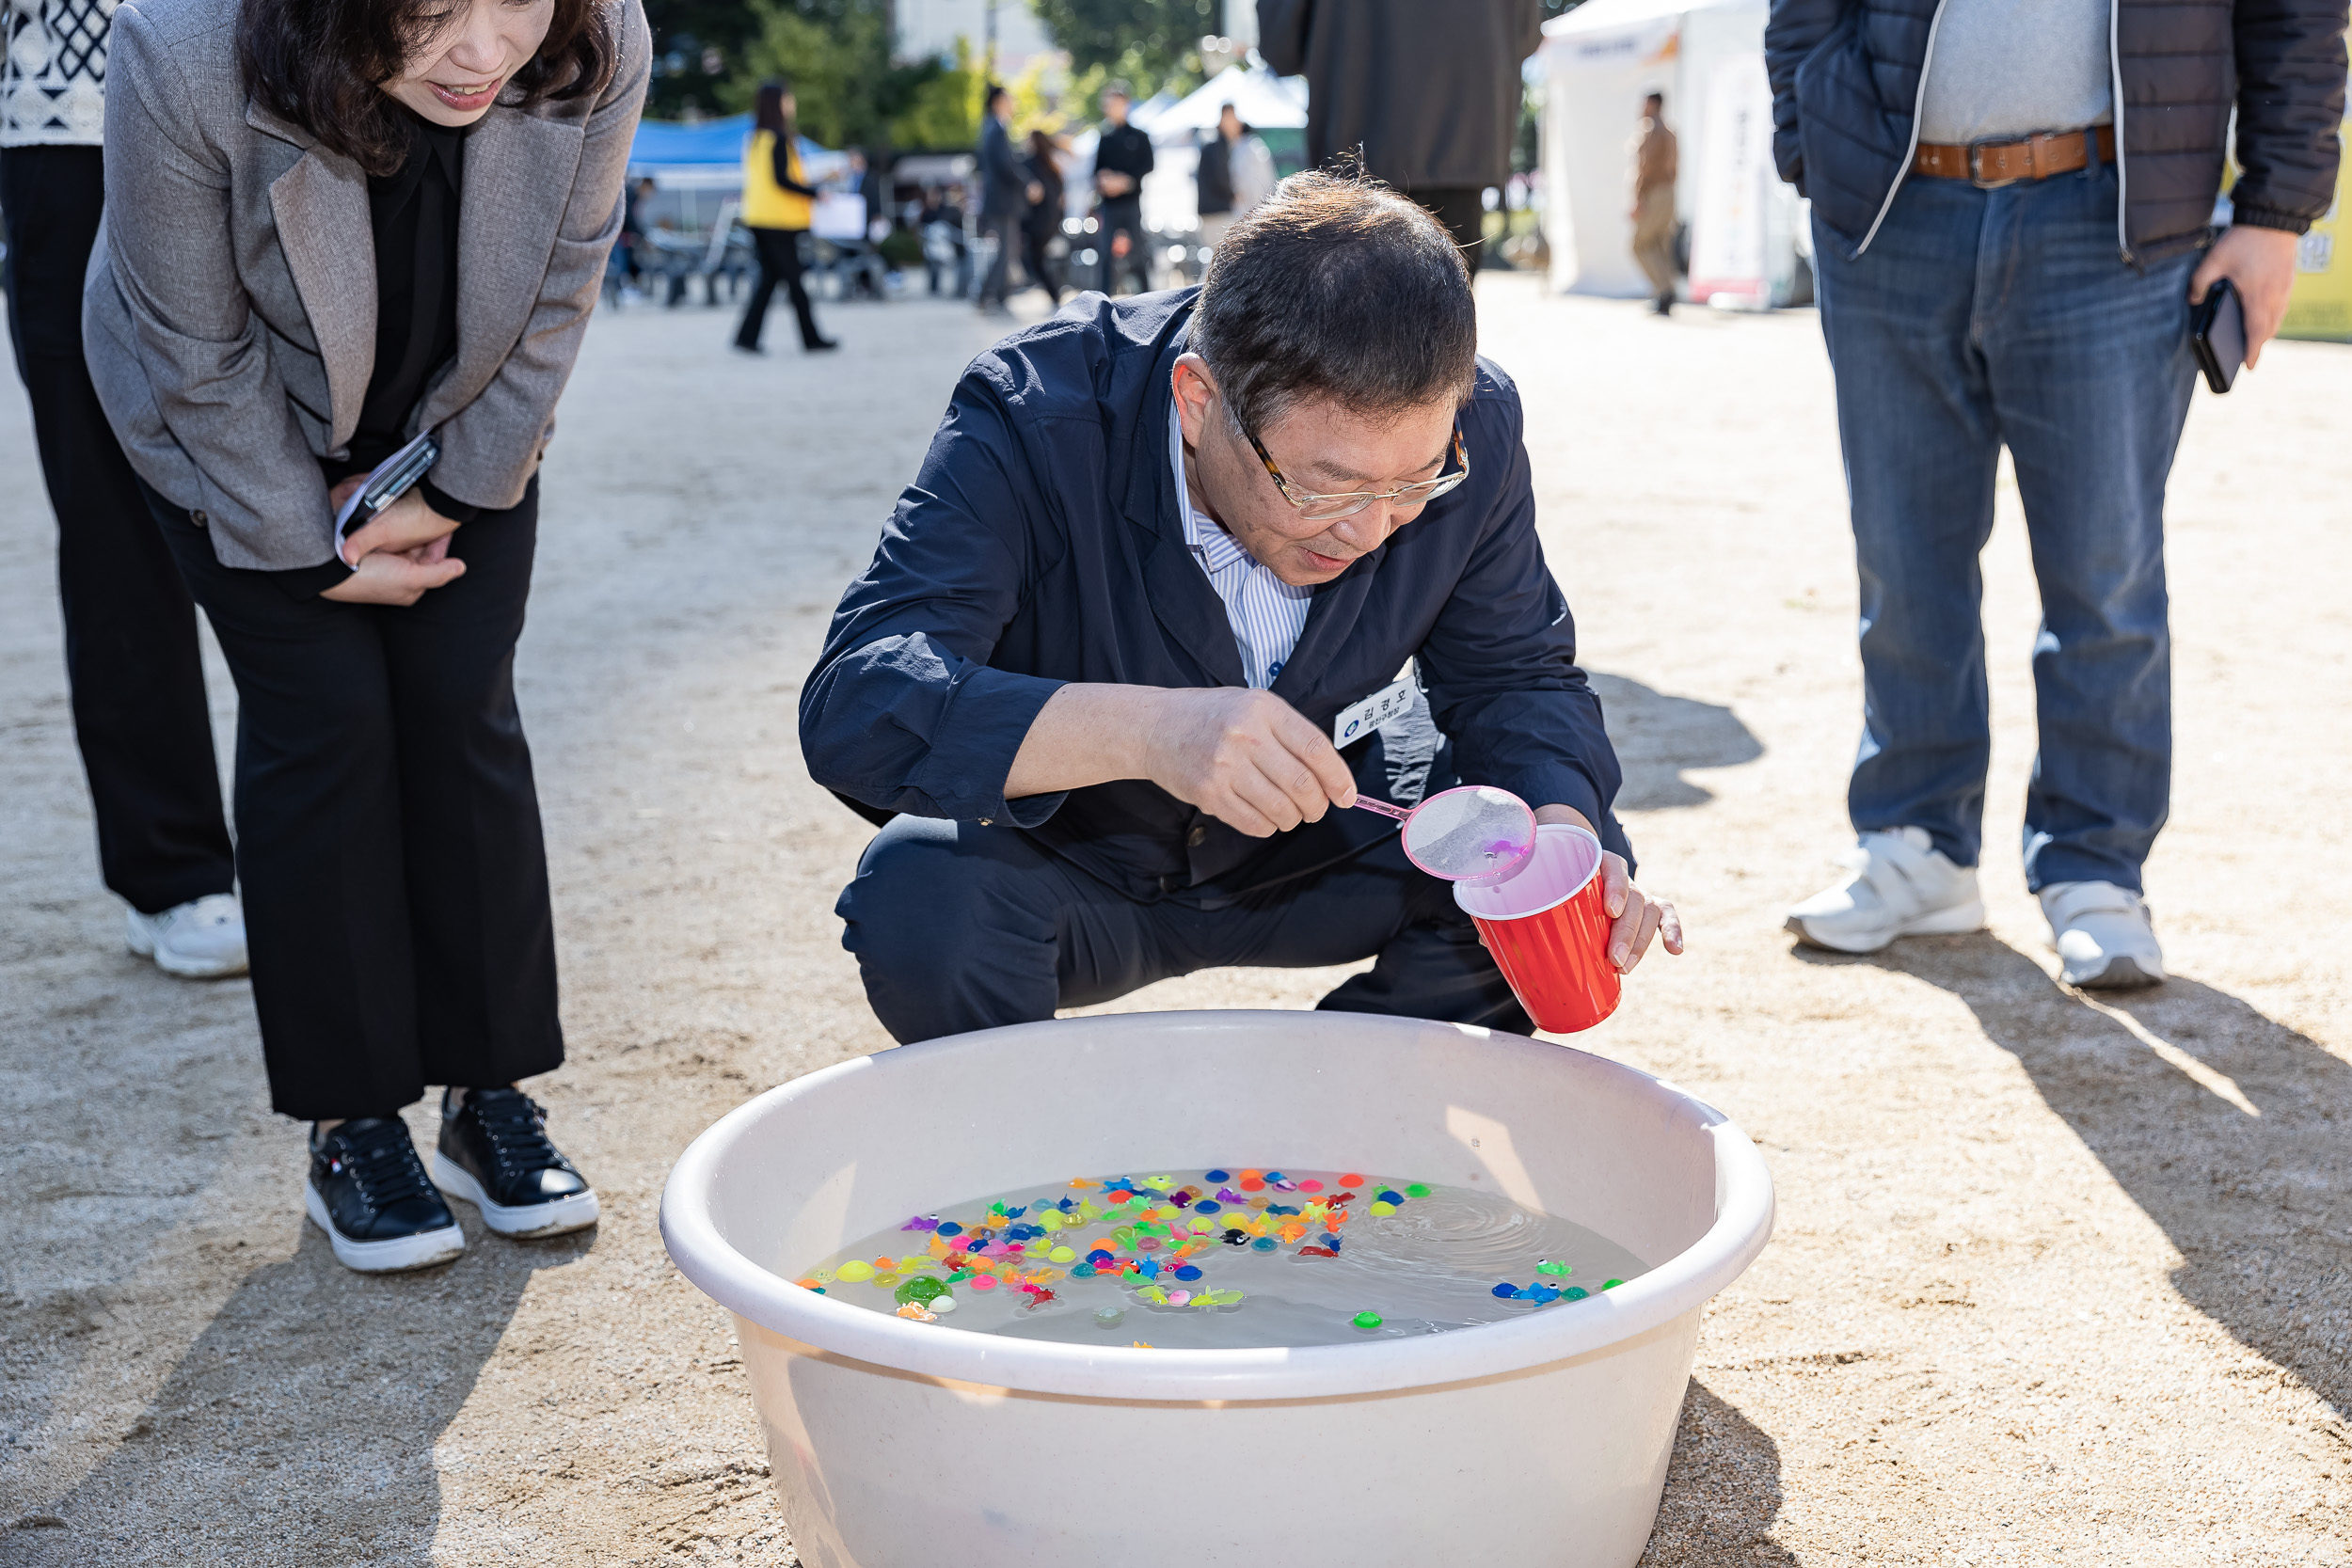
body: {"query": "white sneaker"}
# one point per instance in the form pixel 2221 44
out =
pixel 2104 938
pixel 1900 886
pixel 199 940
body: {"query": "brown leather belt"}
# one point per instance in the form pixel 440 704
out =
pixel 1987 163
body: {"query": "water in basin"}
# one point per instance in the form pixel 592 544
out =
pixel 1225 1258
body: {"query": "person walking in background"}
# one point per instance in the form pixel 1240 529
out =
pixel 133 667
pixel 1657 160
pixel 636 237
pixel 776 206
pixel 307 264
pixel 1236 172
pixel 1042 224
pixel 1122 156
pixel 2007 242
pixel 941 224
pixel 858 263
pixel 1430 93
pixel 1006 191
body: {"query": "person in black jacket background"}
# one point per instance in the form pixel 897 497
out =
pixel 1006 192
pixel 2013 208
pixel 1429 92
pixel 1041 222
pixel 1123 157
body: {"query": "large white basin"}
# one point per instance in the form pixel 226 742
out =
pixel 1540 1443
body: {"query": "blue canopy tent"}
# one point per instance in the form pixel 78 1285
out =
pixel 708 156
pixel 697 173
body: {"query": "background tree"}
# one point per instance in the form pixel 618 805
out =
pixel 710 57
pixel 697 45
pixel 1153 43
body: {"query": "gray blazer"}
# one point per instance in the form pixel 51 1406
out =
pixel 228 314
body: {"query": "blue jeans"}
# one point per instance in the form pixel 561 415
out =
pixel 1983 318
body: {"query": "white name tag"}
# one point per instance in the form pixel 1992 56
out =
pixel 1358 719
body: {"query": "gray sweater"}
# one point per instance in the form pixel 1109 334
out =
pixel 1999 69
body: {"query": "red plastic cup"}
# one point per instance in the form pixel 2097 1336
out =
pixel 1548 932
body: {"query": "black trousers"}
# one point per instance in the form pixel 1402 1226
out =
pixel 779 253
pixel 957 926
pixel 1124 216
pixel 1463 211
pixel 130 652
pixel 1040 267
pixel 999 231
pixel 395 878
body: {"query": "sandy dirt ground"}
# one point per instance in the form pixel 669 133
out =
pixel 2056 1280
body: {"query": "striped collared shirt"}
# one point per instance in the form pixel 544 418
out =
pixel 1268 614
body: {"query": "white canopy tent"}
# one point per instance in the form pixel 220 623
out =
pixel 1264 101
pixel 1706 57
pixel 1259 96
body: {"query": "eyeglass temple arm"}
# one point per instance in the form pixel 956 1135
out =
pixel 1365 802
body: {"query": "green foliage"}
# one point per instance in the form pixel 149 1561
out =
pixel 683 31
pixel 1153 43
pixel 944 113
pixel 836 55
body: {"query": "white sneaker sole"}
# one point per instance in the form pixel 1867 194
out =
pixel 143 946
pixel 2121 972
pixel 553 1218
pixel 397 1256
pixel 1957 921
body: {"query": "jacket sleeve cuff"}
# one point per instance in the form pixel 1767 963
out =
pixel 446 505
pixel 309 582
pixel 986 719
pixel 2248 215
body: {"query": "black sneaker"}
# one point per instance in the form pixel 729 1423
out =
pixel 368 1192
pixel 494 1153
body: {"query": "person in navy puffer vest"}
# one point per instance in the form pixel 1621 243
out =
pixel 2013 212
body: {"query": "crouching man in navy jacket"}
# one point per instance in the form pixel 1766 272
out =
pixel 1159 549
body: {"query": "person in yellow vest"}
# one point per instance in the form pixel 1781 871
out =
pixel 776 206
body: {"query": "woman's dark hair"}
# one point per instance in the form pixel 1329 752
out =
pixel 1041 145
pixel 768 108
pixel 318 63
pixel 1336 288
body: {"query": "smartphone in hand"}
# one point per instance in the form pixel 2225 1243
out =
pixel 2217 331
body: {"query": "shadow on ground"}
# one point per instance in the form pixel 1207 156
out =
pixel 1722 1490
pixel 1657 737
pixel 2254 1197
pixel 312 1402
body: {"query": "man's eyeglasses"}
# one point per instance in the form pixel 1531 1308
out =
pixel 1324 509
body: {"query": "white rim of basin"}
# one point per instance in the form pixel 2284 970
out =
pixel 1743 1223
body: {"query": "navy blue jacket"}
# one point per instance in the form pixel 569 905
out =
pixel 1004 183
pixel 1846 76
pixel 1041 542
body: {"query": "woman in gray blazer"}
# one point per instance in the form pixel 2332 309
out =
pixel 334 226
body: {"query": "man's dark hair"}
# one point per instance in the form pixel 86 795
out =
pixel 995 92
pixel 1657 98
pixel 1336 287
pixel 317 63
